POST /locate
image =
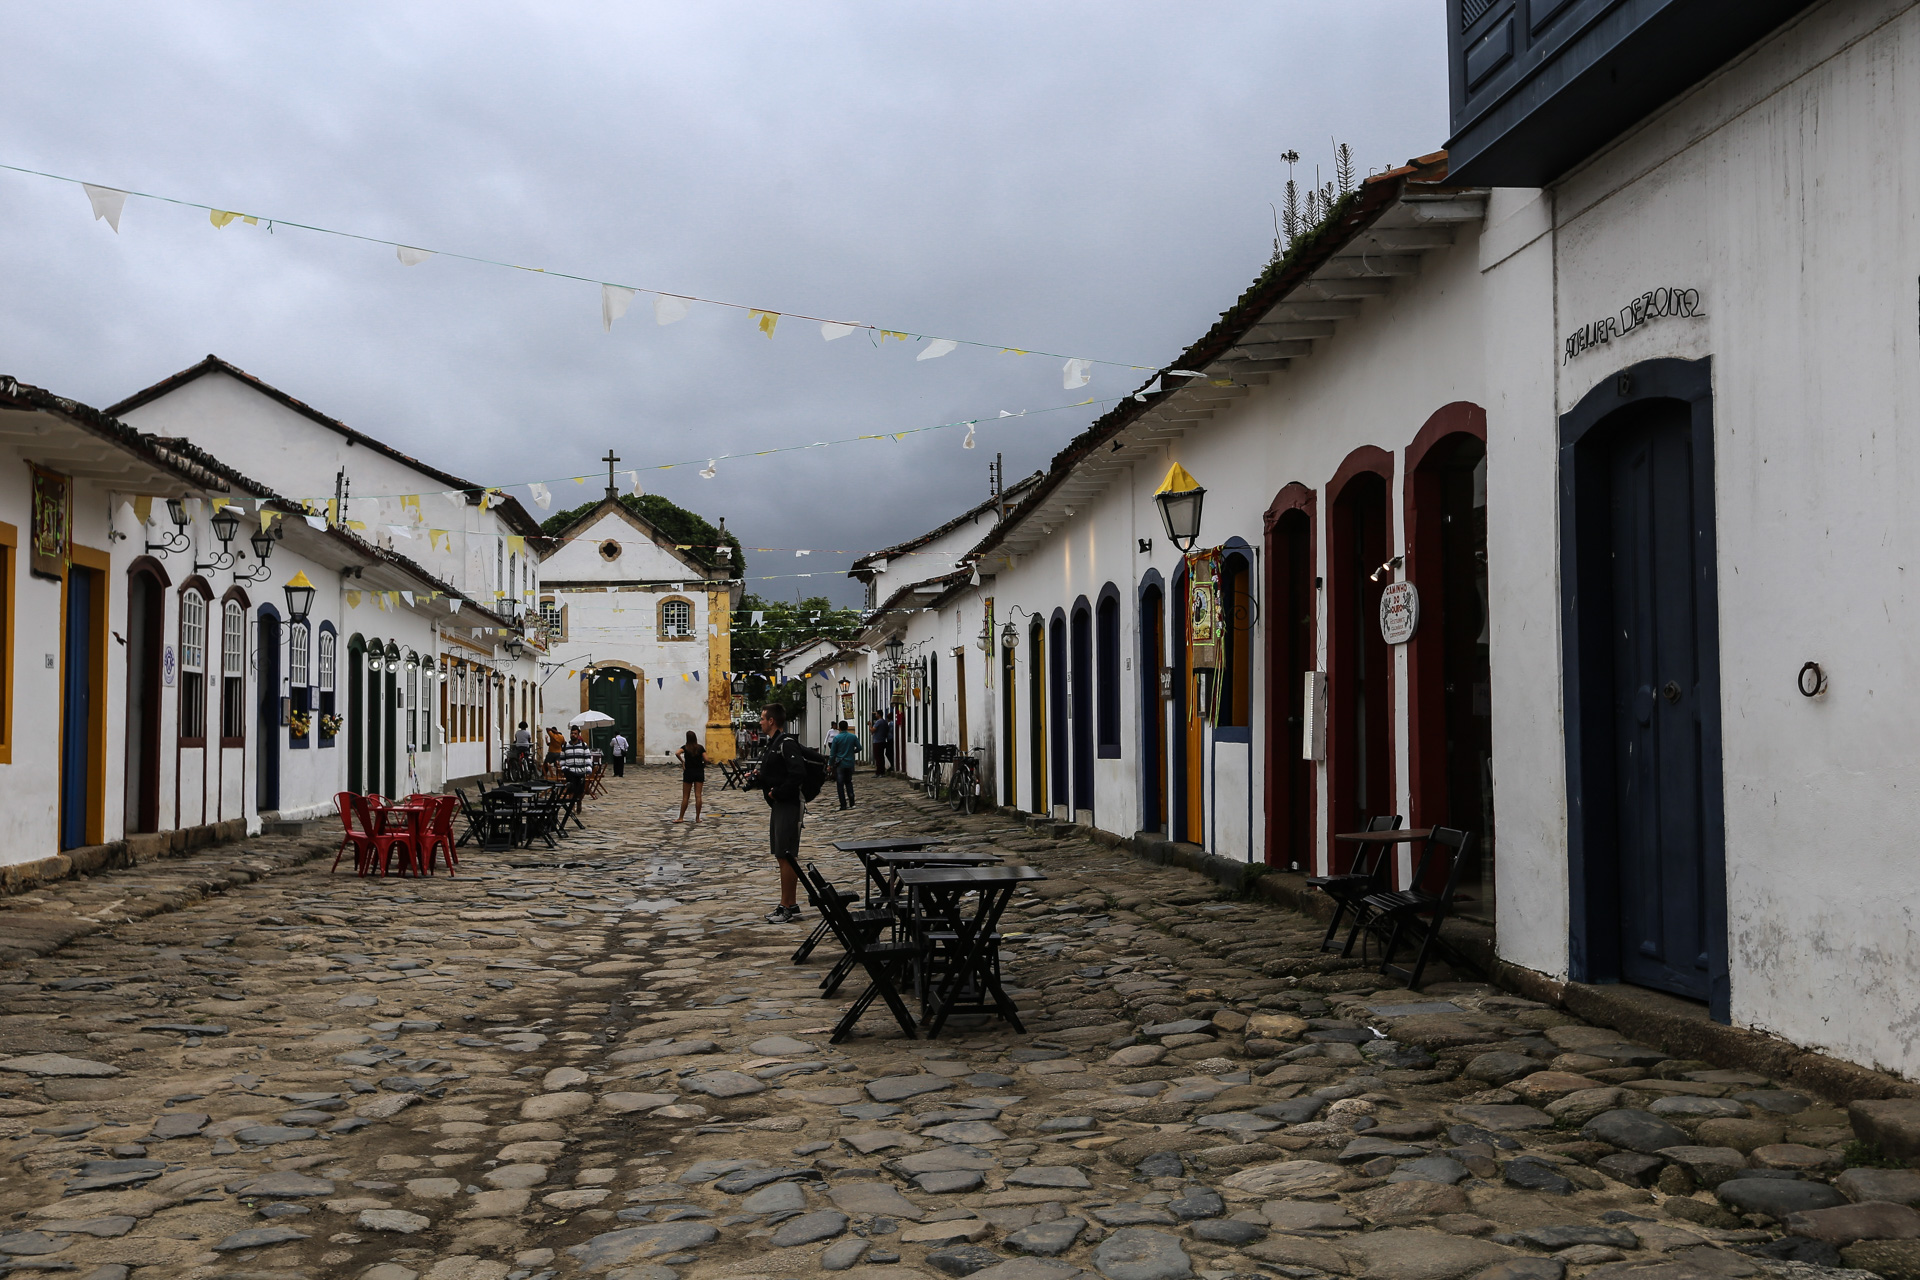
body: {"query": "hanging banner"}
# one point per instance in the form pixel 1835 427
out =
pixel 52 523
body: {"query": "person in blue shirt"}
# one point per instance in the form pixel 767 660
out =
pixel 843 753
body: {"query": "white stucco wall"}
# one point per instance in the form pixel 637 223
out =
pixel 1783 191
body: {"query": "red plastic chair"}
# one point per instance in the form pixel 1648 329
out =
pixel 359 839
pixel 389 838
pixel 436 830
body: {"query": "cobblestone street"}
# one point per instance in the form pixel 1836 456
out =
pixel 601 1062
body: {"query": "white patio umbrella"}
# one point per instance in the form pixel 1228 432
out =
pixel 587 719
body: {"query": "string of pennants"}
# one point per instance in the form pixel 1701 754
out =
pixel 616 299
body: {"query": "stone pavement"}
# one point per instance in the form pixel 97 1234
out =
pixel 600 1062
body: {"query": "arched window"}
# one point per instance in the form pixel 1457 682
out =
pixel 300 675
pixel 326 663
pixel 676 619
pixel 233 674
pixel 1106 659
pixel 193 668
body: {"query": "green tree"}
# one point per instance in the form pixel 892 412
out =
pixel 783 624
pixel 673 521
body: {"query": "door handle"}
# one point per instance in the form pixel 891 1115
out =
pixel 1670 691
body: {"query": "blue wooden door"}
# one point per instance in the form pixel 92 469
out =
pixel 266 747
pixel 1659 775
pixel 76 710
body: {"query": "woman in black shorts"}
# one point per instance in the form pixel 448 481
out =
pixel 693 775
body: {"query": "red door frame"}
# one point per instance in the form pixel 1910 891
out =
pixel 1368 460
pixel 1426 652
pixel 1281 744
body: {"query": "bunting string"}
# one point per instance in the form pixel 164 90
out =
pixel 109 203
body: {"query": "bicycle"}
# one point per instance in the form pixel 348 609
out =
pixel 963 791
pixel 933 756
pixel 520 766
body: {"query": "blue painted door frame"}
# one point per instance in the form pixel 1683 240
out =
pixel 1646 836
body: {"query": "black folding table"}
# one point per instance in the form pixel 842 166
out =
pixel 972 974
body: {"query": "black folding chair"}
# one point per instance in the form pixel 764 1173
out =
pixel 1418 912
pixel 500 820
pixel 885 962
pixel 475 820
pixel 540 818
pixel 730 775
pixel 824 929
pixel 1366 874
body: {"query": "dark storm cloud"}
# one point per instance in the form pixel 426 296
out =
pixel 1086 179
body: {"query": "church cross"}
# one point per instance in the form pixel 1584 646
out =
pixel 610 459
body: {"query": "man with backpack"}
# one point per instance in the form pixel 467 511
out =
pixel 843 754
pixel 790 774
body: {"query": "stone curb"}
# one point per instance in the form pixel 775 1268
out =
pixel 117 855
pixel 30 934
pixel 1653 1017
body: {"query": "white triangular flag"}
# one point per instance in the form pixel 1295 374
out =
pixel 968 442
pixel 456 497
pixel 707 472
pixel 937 348
pixel 107 204
pixel 318 522
pixel 798 554
pixel 667 308
pixel 614 302
pixel 542 497
pixel 1076 373
pixel 453 602
pixel 830 329
pixel 411 257
pixel 408 597
pixel 400 531
pixel 633 483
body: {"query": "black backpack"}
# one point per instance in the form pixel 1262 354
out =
pixel 807 770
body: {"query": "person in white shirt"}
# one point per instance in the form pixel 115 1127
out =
pixel 618 750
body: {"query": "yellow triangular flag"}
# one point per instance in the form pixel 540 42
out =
pixel 410 500
pixel 902 435
pixel 333 511
pixel 353 599
pixel 220 504
pixel 220 217
pixel 516 543
pixel 766 320
pixel 434 536
pixel 143 509
pixel 268 517
pixel 356 524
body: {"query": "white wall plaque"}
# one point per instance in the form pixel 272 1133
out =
pixel 1399 612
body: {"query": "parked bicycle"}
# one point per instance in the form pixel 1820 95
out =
pixel 935 757
pixel 963 790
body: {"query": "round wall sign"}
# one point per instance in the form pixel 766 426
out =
pixel 1399 612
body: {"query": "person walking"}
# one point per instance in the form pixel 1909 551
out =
pixel 882 743
pixel 617 749
pixel 556 745
pixel 779 778
pixel 693 775
pixel 844 755
pixel 576 763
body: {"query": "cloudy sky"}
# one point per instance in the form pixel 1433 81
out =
pixel 1084 179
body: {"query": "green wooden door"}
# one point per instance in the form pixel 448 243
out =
pixel 612 692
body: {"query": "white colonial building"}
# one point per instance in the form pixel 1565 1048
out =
pixel 640 629
pixel 434 666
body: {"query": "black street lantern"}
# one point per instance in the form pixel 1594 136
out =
pixel 177 512
pixel 300 593
pixel 393 656
pixel 894 646
pixel 225 526
pixel 1179 498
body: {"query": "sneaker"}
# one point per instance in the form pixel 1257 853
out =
pixel 783 915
